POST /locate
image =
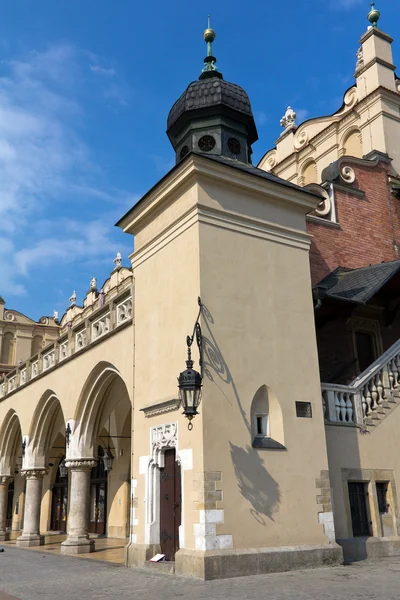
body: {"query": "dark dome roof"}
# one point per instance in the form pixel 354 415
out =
pixel 212 91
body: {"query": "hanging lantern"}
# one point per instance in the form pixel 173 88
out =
pixel 108 459
pixel 190 384
pixel 63 469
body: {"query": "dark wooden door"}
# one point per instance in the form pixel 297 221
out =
pixel 10 501
pixel 358 507
pixel 98 503
pixel 170 505
pixel 59 507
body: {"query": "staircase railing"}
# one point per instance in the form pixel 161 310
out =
pixel 368 395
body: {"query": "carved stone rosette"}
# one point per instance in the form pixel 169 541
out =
pixel 34 473
pixel 81 464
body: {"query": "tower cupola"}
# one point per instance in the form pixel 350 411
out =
pixel 212 116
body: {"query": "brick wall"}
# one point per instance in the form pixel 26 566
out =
pixel 369 226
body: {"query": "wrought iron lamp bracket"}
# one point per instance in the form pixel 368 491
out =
pixel 199 338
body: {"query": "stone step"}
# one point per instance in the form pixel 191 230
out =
pixel 164 566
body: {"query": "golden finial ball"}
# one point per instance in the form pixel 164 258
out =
pixel 209 35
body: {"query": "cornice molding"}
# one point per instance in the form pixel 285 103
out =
pixel 375 61
pixel 161 408
pixel 378 32
pixel 197 166
pixel 224 220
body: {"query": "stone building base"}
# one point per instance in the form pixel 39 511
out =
pixel 77 547
pixel 4 536
pixel 355 549
pixel 223 564
pixel 136 555
pixel 30 541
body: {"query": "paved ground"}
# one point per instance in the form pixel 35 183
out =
pixel 34 575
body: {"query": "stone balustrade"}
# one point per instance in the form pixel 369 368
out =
pixel 368 394
pixel 86 332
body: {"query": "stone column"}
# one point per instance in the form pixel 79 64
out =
pixel 4 481
pixel 78 541
pixel 33 499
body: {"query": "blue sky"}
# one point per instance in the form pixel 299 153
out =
pixel 85 90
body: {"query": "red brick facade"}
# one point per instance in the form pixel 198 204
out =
pixel 368 230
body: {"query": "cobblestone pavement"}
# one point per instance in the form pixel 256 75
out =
pixel 31 575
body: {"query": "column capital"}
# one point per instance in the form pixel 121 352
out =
pixel 34 473
pixel 81 464
pixel 6 479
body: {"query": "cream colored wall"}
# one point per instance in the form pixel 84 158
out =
pixel 245 249
pixel 166 273
pixel 372 107
pixel 348 448
pixel 118 493
pixel 68 379
pixel 23 334
pixel 257 292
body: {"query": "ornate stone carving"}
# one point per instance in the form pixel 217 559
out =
pixel 73 298
pixel 34 473
pixel 80 339
pixel 93 284
pixel 164 436
pixel 81 464
pixel 350 98
pixel 124 310
pixel 288 119
pixel 34 369
pixel 301 139
pixel 49 360
pixel 360 58
pixel 101 326
pixel 271 162
pixel 348 175
pixel 44 320
pixel 8 316
pixel 324 207
pixel 118 260
pixel 63 350
pixel 5 479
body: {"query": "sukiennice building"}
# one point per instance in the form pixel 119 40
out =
pixel 286 278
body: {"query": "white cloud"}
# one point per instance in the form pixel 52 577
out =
pixel 102 71
pixel 301 114
pixel 346 4
pixel 260 117
pixel 45 167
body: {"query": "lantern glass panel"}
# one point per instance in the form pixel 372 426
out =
pixel 108 459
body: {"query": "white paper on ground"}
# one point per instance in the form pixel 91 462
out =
pixel 158 558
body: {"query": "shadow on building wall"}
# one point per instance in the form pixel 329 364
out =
pixel 255 483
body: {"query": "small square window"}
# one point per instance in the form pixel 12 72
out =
pixel 303 410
